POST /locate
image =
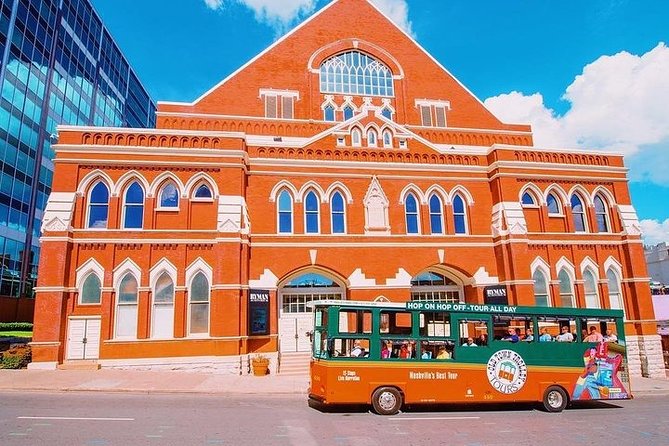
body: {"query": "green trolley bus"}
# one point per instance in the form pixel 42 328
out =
pixel 387 354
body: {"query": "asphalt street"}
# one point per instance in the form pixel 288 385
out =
pixel 96 419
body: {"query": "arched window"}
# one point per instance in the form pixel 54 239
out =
pixel 436 215
pixel 311 211
pixel 356 138
pixel 590 288
pixel 578 213
pixel 91 291
pixel 169 196
pixel 553 205
pixel 162 322
pixel 528 199
pixel 372 138
pixel 338 213
pixel 203 192
pixel 435 287
pixel 98 207
pixel 411 210
pixel 459 215
pixel 356 73
pixel 126 307
pixel 329 113
pixel 541 295
pixel 285 213
pixel 615 294
pixel 348 112
pixel 134 207
pixel 387 139
pixel 566 290
pixel 199 305
pixel 602 214
pixel 387 113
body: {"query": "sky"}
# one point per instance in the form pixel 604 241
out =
pixel 586 74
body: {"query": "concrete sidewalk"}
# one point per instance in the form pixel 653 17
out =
pixel 109 380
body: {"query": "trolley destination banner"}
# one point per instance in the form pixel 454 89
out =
pixel 469 308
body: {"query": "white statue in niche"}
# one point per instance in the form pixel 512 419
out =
pixel 376 210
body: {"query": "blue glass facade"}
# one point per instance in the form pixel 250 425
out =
pixel 59 66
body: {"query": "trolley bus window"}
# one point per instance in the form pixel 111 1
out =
pixel 521 326
pixel 435 325
pixel 598 329
pixel 355 321
pixel 476 329
pixel 321 317
pixel 395 323
pixel 557 329
pixel 320 344
pixel 348 348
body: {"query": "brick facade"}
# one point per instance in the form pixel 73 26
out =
pixel 224 141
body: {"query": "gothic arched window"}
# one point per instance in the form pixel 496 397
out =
pixel 356 73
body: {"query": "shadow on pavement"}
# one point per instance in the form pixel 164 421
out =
pixel 468 408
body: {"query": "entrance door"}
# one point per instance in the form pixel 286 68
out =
pixel 83 339
pixel 294 333
pixel 295 316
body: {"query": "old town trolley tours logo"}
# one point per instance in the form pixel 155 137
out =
pixel 507 371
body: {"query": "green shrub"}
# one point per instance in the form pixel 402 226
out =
pixel 16 326
pixel 16 357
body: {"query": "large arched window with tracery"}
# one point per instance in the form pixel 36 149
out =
pixel 353 72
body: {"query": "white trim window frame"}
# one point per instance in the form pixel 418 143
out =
pixel 286 213
pixel 126 309
pixel 579 216
pixel 460 215
pixel 558 204
pixel 412 215
pixel 160 309
pixel 544 293
pixel 161 207
pixel 204 304
pixel 602 215
pixel 85 287
pixel 197 188
pixel 100 204
pixel 312 215
pixel 434 214
pixel 338 213
pixel 131 206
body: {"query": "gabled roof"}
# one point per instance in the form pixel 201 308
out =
pixel 284 65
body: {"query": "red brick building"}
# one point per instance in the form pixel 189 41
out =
pixel 343 162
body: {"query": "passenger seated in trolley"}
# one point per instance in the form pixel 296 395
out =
pixel 443 353
pixel 358 350
pixel 469 343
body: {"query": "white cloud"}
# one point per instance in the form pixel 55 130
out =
pixel 655 232
pixel 618 103
pixel 282 13
pixel 214 4
pixel 397 11
pixel 278 14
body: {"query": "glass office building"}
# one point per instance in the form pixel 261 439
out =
pixel 60 65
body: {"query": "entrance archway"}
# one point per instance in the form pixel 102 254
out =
pixel 294 314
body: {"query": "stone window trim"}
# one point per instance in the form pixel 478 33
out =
pixel 279 104
pixel 433 113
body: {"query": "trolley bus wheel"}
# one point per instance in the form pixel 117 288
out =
pixel 555 399
pixel 386 400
